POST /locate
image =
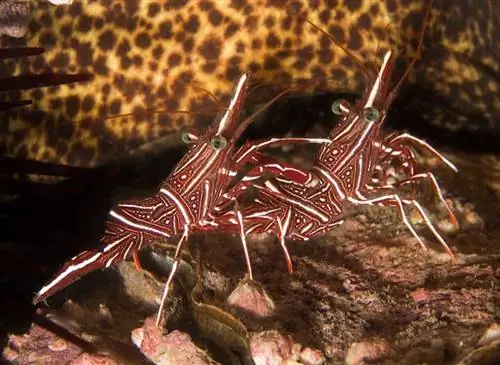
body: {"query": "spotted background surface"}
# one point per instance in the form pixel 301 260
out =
pixel 152 55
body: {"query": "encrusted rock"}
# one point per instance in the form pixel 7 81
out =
pixel 310 356
pixel 40 346
pixel 251 298
pixel 14 17
pixel 271 347
pixel 89 359
pixel 173 348
pixel 367 351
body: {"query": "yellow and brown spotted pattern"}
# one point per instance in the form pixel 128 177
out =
pixel 158 55
pixel 460 66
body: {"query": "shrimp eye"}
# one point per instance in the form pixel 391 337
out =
pixel 188 137
pixel 218 143
pixel 341 107
pixel 371 114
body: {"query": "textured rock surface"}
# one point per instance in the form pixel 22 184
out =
pixel 14 17
pixel 174 348
pixel 364 291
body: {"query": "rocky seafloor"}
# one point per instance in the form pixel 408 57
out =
pixel 366 293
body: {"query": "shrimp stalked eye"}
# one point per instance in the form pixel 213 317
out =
pixel 188 137
pixel 371 114
pixel 218 143
pixel 341 107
